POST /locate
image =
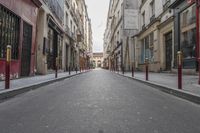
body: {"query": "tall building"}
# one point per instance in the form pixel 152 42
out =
pixel 154 39
pixel 122 24
pixel 62 36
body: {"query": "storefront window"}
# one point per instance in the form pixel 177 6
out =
pixel 188 36
pixel 9 32
pixel 147 48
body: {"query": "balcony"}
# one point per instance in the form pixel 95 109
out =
pixel 152 18
pixel 55 8
pixel 143 26
pixel 67 30
pixel 67 2
pixel 166 5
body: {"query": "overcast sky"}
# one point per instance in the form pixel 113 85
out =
pixel 97 10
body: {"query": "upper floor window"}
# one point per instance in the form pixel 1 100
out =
pixel 67 19
pixel 143 18
pixel 152 8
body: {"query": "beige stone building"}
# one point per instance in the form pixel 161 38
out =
pixel 97 60
pixel 154 40
pixel 122 24
pixel 64 36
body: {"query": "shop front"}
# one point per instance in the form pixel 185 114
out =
pixel 18 29
pixel 185 34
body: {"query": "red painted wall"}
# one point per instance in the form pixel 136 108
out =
pixel 27 11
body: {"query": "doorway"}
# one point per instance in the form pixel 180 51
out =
pixel 26 49
pixel 168 44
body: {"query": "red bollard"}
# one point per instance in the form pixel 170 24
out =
pixel 7 69
pixel 179 59
pixel 147 68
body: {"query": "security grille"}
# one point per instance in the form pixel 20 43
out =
pixel 9 32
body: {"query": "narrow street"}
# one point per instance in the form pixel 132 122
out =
pixel 98 102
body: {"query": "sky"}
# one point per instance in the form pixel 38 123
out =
pixel 97 10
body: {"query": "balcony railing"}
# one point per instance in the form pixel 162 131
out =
pixel 67 2
pixel 55 8
pixel 152 18
pixel 143 26
pixel 67 30
pixel 166 5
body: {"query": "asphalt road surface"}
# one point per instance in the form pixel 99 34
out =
pixel 98 102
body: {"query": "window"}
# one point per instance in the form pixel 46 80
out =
pixel 143 19
pixel 188 36
pixel 67 19
pixel 152 8
pixel 9 32
pixel 70 25
pixel 148 48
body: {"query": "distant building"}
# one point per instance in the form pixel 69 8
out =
pixel 97 60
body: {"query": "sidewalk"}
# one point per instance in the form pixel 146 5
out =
pixel 24 82
pixel 190 82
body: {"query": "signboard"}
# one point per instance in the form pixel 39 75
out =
pixel 130 19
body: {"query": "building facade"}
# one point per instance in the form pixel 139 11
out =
pixel 18 29
pixel 97 60
pixel 49 36
pixel 45 35
pixel 185 34
pixel 154 40
pixel 62 36
pixel 122 24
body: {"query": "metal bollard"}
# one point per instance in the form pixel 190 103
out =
pixel 69 70
pixel 179 61
pixel 133 69
pixel 123 70
pixel 7 69
pixel 56 69
pixel 147 68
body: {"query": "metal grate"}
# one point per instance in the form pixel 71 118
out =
pixel 9 32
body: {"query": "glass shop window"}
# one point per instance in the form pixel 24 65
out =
pixel 148 48
pixel 188 32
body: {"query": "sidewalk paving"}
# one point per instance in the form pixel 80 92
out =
pixel 190 82
pixel 23 82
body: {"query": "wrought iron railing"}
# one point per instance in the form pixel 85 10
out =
pixel 9 32
pixel 56 8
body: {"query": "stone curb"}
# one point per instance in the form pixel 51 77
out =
pixel 6 94
pixel 170 90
